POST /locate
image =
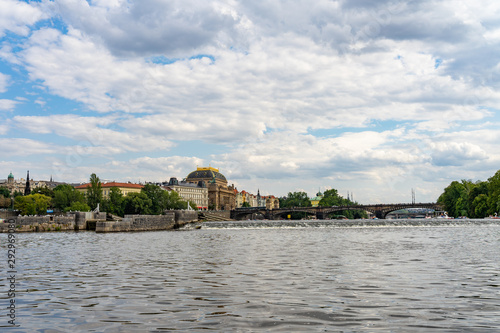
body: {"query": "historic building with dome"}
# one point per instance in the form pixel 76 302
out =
pixel 221 196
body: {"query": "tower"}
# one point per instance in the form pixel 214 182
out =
pixel 27 189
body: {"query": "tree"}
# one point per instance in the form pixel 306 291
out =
pixel 66 196
pixel 94 192
pixel 480 204
pixel 332 198
pixel 450 197
pixel 45 191
pixel 77 206
pixel 158 196
pixel 137 203
pixel 5 202
pixel 33 204
pixel 494 193
pixel 4 191
pixel 245 204
pixel 174 201
pixel 114 203
pixel 295 199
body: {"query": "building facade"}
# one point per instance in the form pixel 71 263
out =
pixel 23 184
pixel 195 192
pixel 221 196
pixel 124 188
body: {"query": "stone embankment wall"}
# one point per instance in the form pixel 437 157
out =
pixel 97 222
pixel 5 214
pixel 138 223
pixel 42 223
pixel 183 217
pixel 69 222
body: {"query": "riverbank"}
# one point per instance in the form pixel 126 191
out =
pixel 97 221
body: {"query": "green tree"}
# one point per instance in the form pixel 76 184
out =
pixel 4 191
pixel 18 193
pixel 94 192
pixel 332 198
pixel 45 191
pixel 77 206
pixel 174 201
pixel 245 204
pixel 479 189
pixel 114 203
pixel 137 203
pixel 158 196
pixel 480 205
pixel 33 204
pixel 65 196
pixel 494 193
pixel 296 199
pixel 450 198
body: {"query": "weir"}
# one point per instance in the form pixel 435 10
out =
pixel 359 223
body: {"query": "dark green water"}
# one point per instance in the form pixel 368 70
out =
pixel 248 277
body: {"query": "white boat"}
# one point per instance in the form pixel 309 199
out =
pixel 444 216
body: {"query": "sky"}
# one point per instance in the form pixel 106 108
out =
pixel 372 98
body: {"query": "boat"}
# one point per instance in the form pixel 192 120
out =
pixel 444 216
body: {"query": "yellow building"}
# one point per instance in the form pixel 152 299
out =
pixel 124 188
pixel 315 201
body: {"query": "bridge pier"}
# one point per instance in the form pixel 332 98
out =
pixel 379 214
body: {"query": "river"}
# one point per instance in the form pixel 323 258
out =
pixel 307 276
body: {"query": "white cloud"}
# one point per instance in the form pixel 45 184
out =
pixel 350 93
pixel 150 27
pixel 7 104
pixel 17 16
pixel 24 147
pixel 92 135
pixel 4 80
pixel 453 153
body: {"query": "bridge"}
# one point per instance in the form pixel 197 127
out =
pixel 379 210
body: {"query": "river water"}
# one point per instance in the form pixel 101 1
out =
pixel 307 276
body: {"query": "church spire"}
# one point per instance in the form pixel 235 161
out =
pixel 27 189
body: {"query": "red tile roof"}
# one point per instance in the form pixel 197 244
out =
pixel 112 184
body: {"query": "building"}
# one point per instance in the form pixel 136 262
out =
pixel 25 185
pixel 315 201
pixel 124 188
pixel 220 195
pixel 271 202
pixel 195 192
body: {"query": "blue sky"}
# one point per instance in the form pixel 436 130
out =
pixel 370 98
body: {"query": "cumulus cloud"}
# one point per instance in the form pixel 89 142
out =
pixel 92 135
pixel 17 16
pixel 454 153
pixel 356 93
pixel 7 104
pixel 23 147
pixel 150 27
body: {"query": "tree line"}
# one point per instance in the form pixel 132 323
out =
pixel 151 200
pixel 330 198
pixel 472 199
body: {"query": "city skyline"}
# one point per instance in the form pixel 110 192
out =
pixel 379 100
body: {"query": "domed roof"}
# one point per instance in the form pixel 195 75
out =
pixel 11 175
pixel 206 173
